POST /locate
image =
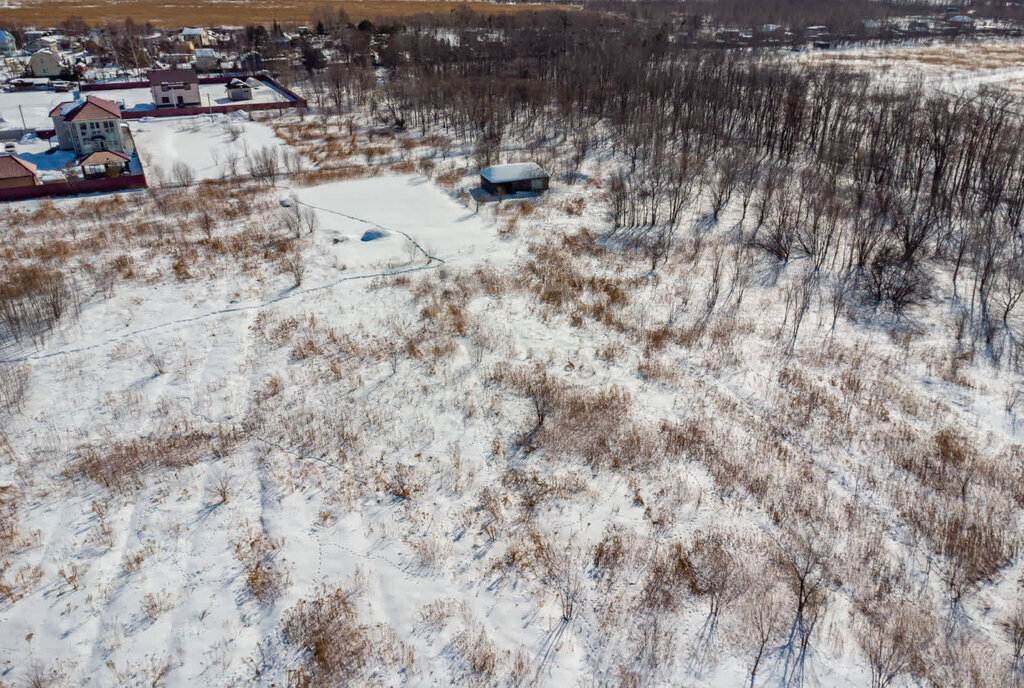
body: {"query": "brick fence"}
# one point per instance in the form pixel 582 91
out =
pixel 295 101
pixel 74 188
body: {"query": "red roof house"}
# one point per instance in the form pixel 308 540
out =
pixel 16 172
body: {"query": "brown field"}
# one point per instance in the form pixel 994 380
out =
pixel 930 61
pixel 236 13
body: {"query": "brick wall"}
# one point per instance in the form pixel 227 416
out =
pixel 82 186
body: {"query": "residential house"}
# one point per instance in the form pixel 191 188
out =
pixel 206 60
pixel 44 63
pixel 44 43
pixel 8 46
pixel 16 172
pixel 175 87
pixel 89 125
pixel 198 37
pixel 505 180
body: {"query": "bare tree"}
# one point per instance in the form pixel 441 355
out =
pixel 894 639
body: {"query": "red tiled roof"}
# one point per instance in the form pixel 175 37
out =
pixel 12 167
pixel 93 109
pixel 103 158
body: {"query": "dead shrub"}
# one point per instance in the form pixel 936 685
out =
pixel 478 652
pixel 574 206
pixel 1013 626
pixel 560 280
pixel 567 416
pixel 451 178
pixel 293 264
pixel 653 370
pixel 403 167
pixel 895 639
pixel 400 481
pixel 14 379
pixel 155 604
pixel 338 649
pixel 257 553
pixel 8 518
pixel 33 300
pixel 671 579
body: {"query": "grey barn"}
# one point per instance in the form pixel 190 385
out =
pixel 505 180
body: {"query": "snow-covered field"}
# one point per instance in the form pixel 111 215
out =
pixel 200 622
pixel 955 68
pixel 367 432
pixel 212 146
pixel 215 440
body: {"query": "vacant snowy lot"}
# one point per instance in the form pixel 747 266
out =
pixel 208 146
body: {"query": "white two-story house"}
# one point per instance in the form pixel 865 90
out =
pixel 89 125
pixel 175 87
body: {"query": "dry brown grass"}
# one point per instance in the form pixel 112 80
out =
pixel 121 466
pixel 935 60
pixel 561 276
pixel 338 649
pixel 258 554
pixel 565 417
pixel 214 12
pixel 8 518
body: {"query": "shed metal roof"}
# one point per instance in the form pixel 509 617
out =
pixel 513 172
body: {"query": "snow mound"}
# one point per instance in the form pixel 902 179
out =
pixel 373 235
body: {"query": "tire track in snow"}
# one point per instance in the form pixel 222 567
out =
pixel 430 258
pixel 290 294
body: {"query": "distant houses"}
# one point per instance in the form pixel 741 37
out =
pixel 206 60
pixel 8 46
pixel 198 37
pixel 175 88
pixel 44 63
pixel 43 43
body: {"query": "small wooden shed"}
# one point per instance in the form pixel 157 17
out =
pixel 239 90
pixel 506 180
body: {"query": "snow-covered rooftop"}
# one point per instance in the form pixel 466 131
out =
pixel 65 108
pixel 498 174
